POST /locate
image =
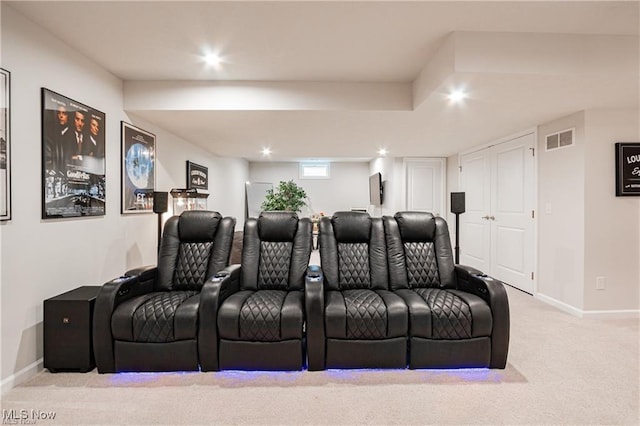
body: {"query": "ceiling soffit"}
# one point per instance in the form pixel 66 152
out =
pixel 461 56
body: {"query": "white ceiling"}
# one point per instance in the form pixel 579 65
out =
pixel 335 79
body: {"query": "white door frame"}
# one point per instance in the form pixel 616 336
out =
pixel 534 131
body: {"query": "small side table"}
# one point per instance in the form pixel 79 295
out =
pixel 68 320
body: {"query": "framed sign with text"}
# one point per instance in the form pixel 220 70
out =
pixel 197 176
pixel 627 168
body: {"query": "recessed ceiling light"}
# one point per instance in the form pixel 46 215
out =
pixel 382 152
pixel 457 95
pixel 266 152
pixel 212 59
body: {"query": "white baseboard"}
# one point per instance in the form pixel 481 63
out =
pixel 600 314
pixel 619 314
pixel 560 305
pixel 21 376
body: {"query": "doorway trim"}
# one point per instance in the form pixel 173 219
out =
pixel 534 132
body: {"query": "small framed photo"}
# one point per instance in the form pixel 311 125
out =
pixel 627 169
pixel 73 158
pixel 138 172
pixel 197 176
pixel 5 144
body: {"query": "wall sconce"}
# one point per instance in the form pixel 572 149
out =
pixel 188 199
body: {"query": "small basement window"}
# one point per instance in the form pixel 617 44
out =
pixel 315 170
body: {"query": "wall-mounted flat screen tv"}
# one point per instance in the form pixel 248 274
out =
pixel 375 189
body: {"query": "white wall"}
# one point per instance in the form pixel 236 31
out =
pixel 585 231
pixel 227 176
pixel 612 233
pixel 561 220
pixel 348 186
pixel 41 259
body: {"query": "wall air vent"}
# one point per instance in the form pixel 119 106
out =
pixel 561 139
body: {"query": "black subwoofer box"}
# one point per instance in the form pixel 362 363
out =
pixel 68 321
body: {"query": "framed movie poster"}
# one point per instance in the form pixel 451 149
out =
pixel 197 176
pixel 73 158
pixel 138 169
pixel 627 168
pixel 5 144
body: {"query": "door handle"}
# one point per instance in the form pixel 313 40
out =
pixel 485 217
pixel 492 218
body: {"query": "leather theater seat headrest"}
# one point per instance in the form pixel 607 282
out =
pixel 416 226
pixel 351 227
pixel 198 225
pixel 277 226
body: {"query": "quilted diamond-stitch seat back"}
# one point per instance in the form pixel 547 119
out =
pixel 363 324
pixel 420 254
pixel 194 246
pixel 276 250
pixel 352 249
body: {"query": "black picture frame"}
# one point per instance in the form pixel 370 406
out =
pixel 73 158
pixel 197 176
pixel 138 169
pixel 5 144
pixel 627 169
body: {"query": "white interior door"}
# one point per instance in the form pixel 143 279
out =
pixel 475 229
pixel 424 179
pixel 511 215
pixel 498 226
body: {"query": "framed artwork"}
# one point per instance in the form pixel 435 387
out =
pixel 627 169
pixel 138 169
pixel 73 158
pixel 5 144
pixel 197 176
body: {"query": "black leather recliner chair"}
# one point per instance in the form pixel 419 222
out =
pixel 147 320
pixel 353 320
pixel 259 305
pixel 459 317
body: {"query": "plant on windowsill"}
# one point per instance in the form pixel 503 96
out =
pixel 287 196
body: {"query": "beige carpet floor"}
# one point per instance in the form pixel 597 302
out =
pixel 561 370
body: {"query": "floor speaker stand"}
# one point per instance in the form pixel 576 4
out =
pixel 457 249
pixel 159 230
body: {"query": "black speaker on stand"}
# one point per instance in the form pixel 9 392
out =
pixel 457 208
pixel 160 205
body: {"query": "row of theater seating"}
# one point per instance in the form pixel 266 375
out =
pixel 387 295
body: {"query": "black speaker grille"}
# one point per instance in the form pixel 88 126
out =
pixel 457 202
pixel 160 202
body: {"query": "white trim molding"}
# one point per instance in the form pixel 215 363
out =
pixel 592 314
pixel 21 376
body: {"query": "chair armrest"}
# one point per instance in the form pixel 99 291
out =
pixel 109 297
pixel 464 271
pixel 144 273
pixel 215 291
pixel 475 281
pixel 314 305
pixel 493 292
